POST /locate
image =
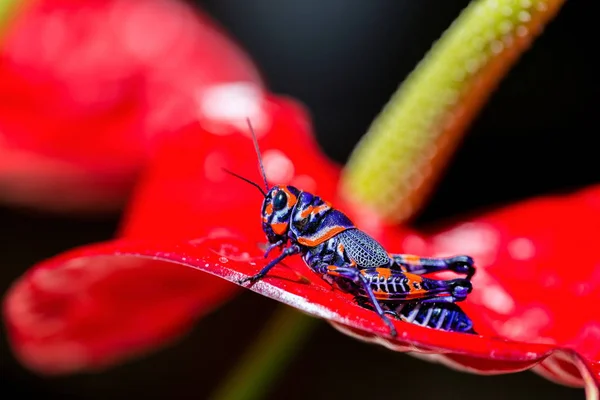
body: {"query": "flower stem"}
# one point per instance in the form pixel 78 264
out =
pixel 281 338
pixel 8 8
pixel 395 166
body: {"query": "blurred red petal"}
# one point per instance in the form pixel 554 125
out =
pixel 76 313
pixel 35 180
pixel 90 85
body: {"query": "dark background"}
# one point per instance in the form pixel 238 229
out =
pixel 343 59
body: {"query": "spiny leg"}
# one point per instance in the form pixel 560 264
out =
pixel 354 275
pixel 293 249
pixel 438 312
pixel 270 247
pixel 423 265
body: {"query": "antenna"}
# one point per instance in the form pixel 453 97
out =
pixel 256 185
pixel 260 164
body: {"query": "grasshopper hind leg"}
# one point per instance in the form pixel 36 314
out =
pixel 351 273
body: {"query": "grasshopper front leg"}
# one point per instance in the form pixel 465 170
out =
pixel 288 251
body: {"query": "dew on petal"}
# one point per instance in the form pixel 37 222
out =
pixel 550 280
pixel 582 289
pixel 278 167
pixel 521 249
pixel 233 253
pixel 231 104
pixel 217 232
pixel 476 239
pixel 527 326
pixel 497 299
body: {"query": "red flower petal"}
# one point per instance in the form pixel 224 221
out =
pixel 537 276
pixel 74 313
pixel 44 316
pixel 83 122
pixel 184 194
pixel 31 306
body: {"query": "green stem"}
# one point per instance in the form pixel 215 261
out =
pixel 280 340
pixel 8 8
pixel 395 166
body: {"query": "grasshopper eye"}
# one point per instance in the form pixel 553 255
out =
pixel 280 200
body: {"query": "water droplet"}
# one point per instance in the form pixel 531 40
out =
pixel 497 46
pixel 522 31
pixel 230 104
pixel 521 249
pixel 278 167
pixel 524 16
pixel 507 11
pixel 505 27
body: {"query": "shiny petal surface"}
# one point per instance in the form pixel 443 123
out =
pixel 538 277
pixel 521 324
pixel 39 302
pixel 89 86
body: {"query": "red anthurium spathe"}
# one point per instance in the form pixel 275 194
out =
pixel 536 268
pixel 537 280
pixel 185 194
pixel 89 86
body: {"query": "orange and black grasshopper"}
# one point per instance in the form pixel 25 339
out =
pixel 301 223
